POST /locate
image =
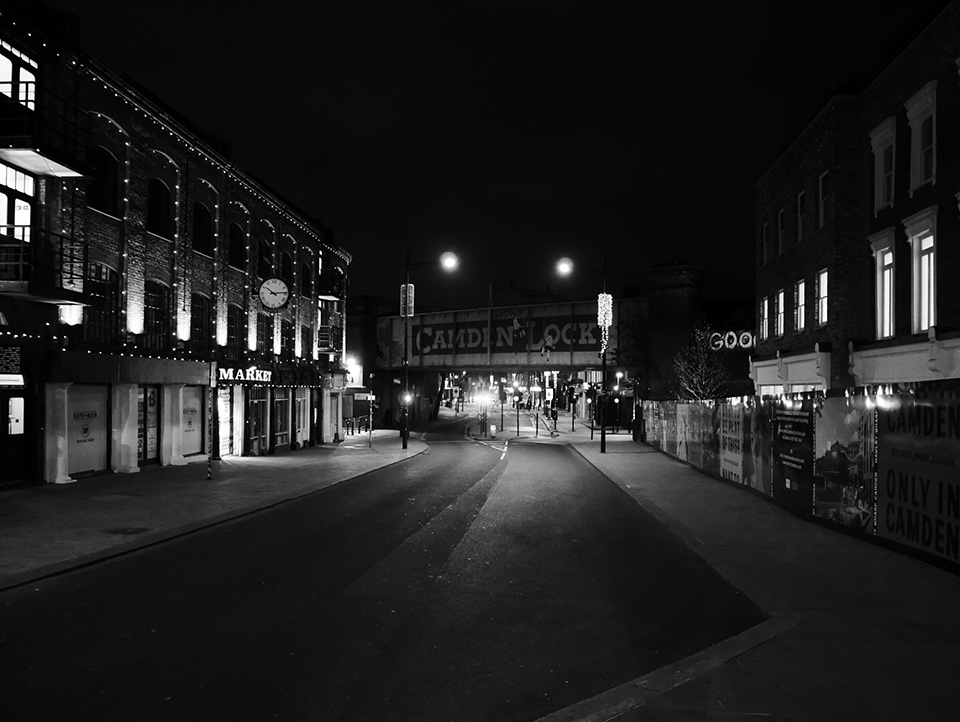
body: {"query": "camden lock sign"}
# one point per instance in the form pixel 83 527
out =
pixel 555 334
pixel 252 375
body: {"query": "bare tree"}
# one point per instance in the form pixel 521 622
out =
pixel 700 373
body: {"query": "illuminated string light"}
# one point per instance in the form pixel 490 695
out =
pixel 604 318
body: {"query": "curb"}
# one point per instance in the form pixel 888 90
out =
pixel 159 537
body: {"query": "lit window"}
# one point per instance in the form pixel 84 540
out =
pixel 800 210
pixel 922 116
pixel 921 233
pixel 779 311
pixel 822 289
pixel 882 142
pixel 822 187
pixel 799 305
pixel 882 246
pixel 764 318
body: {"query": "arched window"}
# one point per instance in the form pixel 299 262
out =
pixel 236 331
pixel 159 209
pixel 202 229
pixel 286 268
pixel 264 260
pixel 102 315
pixel 237 250
pixel 157 319
pixel 103 192
pixel 306 279
pixel 200 323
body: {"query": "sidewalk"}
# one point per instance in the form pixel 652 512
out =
pixel 856 632
pixel 49 528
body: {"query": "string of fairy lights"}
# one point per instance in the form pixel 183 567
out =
pixel 180 275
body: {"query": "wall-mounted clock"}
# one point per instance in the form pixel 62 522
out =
pixel 274 293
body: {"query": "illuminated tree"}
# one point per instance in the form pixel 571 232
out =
pixel 700 372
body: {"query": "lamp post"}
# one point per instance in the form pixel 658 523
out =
pixel 604 320
pixel 449 262
pixel 516 402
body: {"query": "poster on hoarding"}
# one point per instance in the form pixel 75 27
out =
pixel 757 444
pixel 731 442
pixel 918 479
pixel 690 433
pixel 844 485
pixel 793 454
pixel 86 428
pixel 669 442
pixel 710 437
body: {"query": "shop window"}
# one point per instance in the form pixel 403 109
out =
pixel 281 410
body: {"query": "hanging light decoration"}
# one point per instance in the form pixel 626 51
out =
pixel 604 318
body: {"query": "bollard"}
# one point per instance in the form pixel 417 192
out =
pixel 493 431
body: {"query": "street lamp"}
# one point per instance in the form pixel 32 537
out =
pixel 449 262
pixel 516 401
pixel 604 320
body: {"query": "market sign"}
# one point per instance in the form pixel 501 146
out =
pixel 732 340
pixel 252 374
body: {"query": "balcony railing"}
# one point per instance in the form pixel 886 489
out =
pixel 41 263
pixel 330 338
pixel 40 132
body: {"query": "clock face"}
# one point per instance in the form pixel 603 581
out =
pixel 274 293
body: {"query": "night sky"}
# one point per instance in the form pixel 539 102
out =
pixel 512 133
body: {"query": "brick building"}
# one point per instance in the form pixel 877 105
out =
pixel 135 325
pixel 856 227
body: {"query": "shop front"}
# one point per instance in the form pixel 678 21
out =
pixel 267 410
pixel 106 413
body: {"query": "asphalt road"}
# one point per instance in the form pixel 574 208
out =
pixel 463 584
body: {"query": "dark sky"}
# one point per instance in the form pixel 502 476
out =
pixel 512 132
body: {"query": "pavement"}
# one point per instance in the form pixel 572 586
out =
pixel 855 631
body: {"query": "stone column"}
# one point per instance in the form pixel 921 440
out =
pixel 126 432
pixel 55 442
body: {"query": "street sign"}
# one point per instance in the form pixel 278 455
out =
pixel 364 397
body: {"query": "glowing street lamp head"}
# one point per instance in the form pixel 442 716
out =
pixel 449 261
pixel 564 266
pixel 407 398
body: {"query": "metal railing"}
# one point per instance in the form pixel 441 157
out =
pixel 48 259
